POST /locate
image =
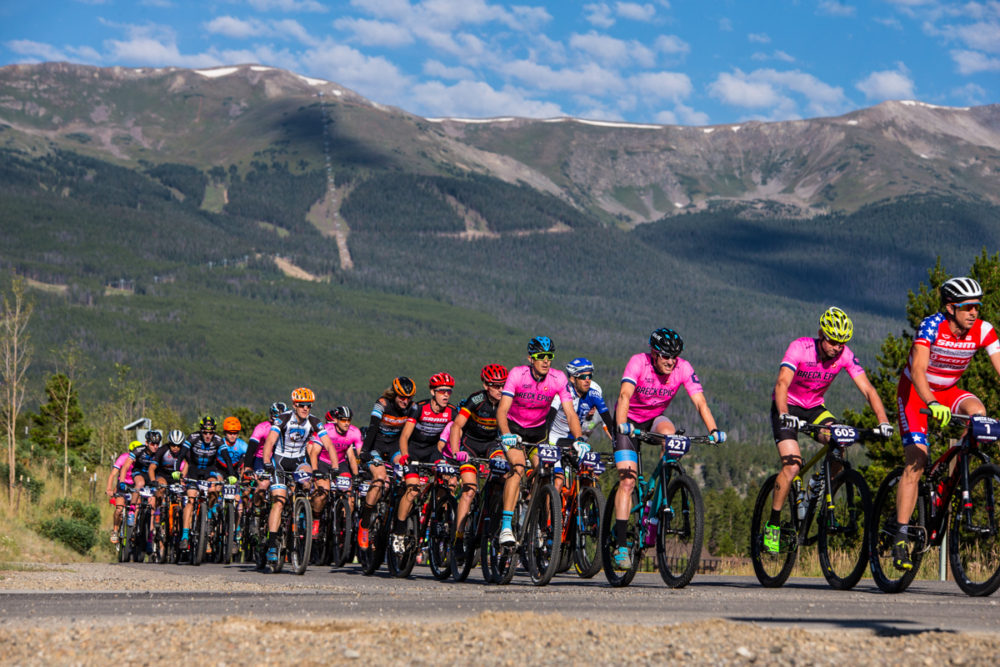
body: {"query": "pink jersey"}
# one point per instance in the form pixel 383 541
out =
pixel 341 443
pixel 812 376
pixel 531 398
pixel 120 463
pixel 950 356
pixel 259 434
pixel 654 392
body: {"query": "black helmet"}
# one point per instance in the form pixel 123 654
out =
pixel 541 344
pixel 959 290
pixel 207 424
pixel 153 437
pixel 404 386
pixel 667 342
pixel 276 409
pixel 339 412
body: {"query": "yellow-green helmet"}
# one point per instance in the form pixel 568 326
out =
pixel 836 325
pixel 135 444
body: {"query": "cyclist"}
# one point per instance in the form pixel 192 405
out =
pixel 255 452
pixel 285 454
pixel 381 443
pixel 235 446
pixel 588 400
pixel 140 459
pixel 418 441
pixel 347 442
pixel 808 368
pixel 205 458
pixel 649 384
pixel 524 405
pixel 167 466
pixel 475 432
pixel 118 488
pixel 941 351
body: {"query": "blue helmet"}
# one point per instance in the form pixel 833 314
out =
pixel 579 366
pixel 541 344
pixel 276 409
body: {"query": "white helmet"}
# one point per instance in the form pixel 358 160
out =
pixel 960 290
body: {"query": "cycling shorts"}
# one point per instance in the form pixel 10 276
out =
pixel 285 469
pixel 817 415
pixel 913 424
pixel 144 476
pixel 529 436
pixel 495 449
pixel 627 447
pixel 478 448
pixel 195 474
pixel 323 467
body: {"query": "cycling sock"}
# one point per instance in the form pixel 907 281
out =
pixel 620 526
pixel 399 526
pixel 901 531
pixel 184 533
pixel 508 518
pixel 366 515
pixel 272 539
pixel 775 519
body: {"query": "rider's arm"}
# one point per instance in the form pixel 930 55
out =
pixel 609 422
pixel 331 450
pixel 272 438
pixel 920 359
pixel 352 460
pixel 455 437
pixel 312 451
pixel 995 360
pixel 152 472
pixel 866 388
pixel 111 481
pixel 624 396
pixel 404 437
pixel 785 377
pixel 123 473
pixel 502 425
pixel 371 433
pixel 701 405
pixel 571 419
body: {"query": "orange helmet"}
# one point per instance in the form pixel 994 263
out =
pixel 231 425
pixel 403 386
pixel 303 395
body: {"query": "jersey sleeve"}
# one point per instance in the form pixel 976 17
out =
pixel 633 369
pixel 691 381
pixel 928 330
pixel 989 341
pixel 562 388
pixel 511 382
pixel 791 358
pixel 413 412
pixel 851 364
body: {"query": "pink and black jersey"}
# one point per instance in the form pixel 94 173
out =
pixel 258 437
pixel 341 441
pixel 654 392
pixel 813 376
pixel 950 355
pixel 533 397
pixel 120 463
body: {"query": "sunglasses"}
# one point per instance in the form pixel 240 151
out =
pixel 307 406
pixel 966 307
pixel 835 343
pixel 663 356
pixel 208 432
pixel 442 390
pixel 539 356
pixel 588 376
pixel 495 385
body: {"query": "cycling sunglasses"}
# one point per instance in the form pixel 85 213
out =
pixel 543 355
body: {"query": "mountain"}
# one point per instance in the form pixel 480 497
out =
pixel 617 172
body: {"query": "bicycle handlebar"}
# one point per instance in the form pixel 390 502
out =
pixel 855 435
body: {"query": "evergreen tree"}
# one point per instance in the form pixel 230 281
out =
pixel 63 406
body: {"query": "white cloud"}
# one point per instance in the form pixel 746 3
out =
pixel 586 79
pixel 375 33
pixel 759 38
pixel 725 24
pixel 611 51
pixel 149 51
pixel 689 116
pixel 599 14
pixel 736 89
pixel 887 85
pixel 774 55
pixel 661 85
pixel 440 70
pixel 980 36
pixel 770 88
pixel 970 93
pixel 287 5
pixel 230 26
pixel 671 44
pixel 476 99
pixel 162 4
pixel 973 62
pixel 834 8
pixel 372 76
pixel 889 22
pixel 635 11
pixel 35 50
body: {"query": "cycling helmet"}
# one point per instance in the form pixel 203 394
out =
pixel 231 424
pixel 276 409
pixel 493 374
pixel 135 444
pixel 961 290
pixel 339 412
pixel 303 395
pixel 175 437
pixel 154 437
pixel 441 380
pixel 579 366
pixel 541 344
pixel 667 342
pixel 403 386
pixel 207 424
pixel 836 325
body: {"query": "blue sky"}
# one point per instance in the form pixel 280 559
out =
pixel 654 61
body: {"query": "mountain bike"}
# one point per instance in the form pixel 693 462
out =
pixel 957 495
pixel 340 533
pixel 666 513
pixel 537 526
pixel 171 519
pixel 200 521
pixel 841 505
pixel 294 539
pixel 430 523
pixel 582 508
pixel 378 531
pixel 223 529
pixel 140 529
pixel 465 556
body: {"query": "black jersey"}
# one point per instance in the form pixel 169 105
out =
pixel 384 429
pixel 481 417
pixel 427 427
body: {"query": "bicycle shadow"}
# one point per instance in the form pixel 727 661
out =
pixel 880 628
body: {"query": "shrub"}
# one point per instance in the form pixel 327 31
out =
pixel 74 533
pixel 76 509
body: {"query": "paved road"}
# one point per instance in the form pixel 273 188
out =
pixel 807 603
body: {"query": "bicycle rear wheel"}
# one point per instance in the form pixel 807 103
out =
pixel 681 532
pixel 974 536
pixel 773 568
pixel 300 535
pixel 882 531
pixel 843 531
pixel 462 564
pixel 401 565
pixel 372 557
pixel 587 533
pixel 616 577
pixel 228 530
pixel 340 534
pixel 442 529
pixel 543 535
pixel 200 534
pixel 499 562
pixel 138 532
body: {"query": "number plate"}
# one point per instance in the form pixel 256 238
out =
pixel 177 488
pixel 230 492
pixel 203 485
pixel 842 435
pixel 397 470
pixel 363 487
pixel 343 483
pixel 549 453
pixel 446 469
pixel 677 445
pixel 985 429
pixel 146 492
pixel 499 466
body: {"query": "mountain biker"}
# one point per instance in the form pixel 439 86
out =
pixel 255 452
pixel 202 454
pixel 347 442
pixel 941 351
pixel 285 455
pixel 524 405
pixel 808 368
pixel 381 443
pixel 116 492
pixel 167 466
pixel 235 446
pixel 474 432
pixel 588 400
pixel 418 441
pixel 650 382
pixel 138 464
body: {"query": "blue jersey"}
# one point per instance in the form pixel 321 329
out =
pixel 235 452
pixel 592 400
pixel 202 455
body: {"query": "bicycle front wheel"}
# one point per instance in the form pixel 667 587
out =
pixel 340 531
pixel 882 531
pixel 300 538
pixel 441 530
pixel 543 535
pixel 201 533
pixel 378 535
pixel 587 547
pixel 974 537
pixel 228 532
pixel 499 562
pixel 616 577
pixel 681 532
pixel 772 567
pixel 843 526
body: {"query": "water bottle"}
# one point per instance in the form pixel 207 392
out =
pixel 131 517
pixel 800 498
pixel 654 525
pixel 815 485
